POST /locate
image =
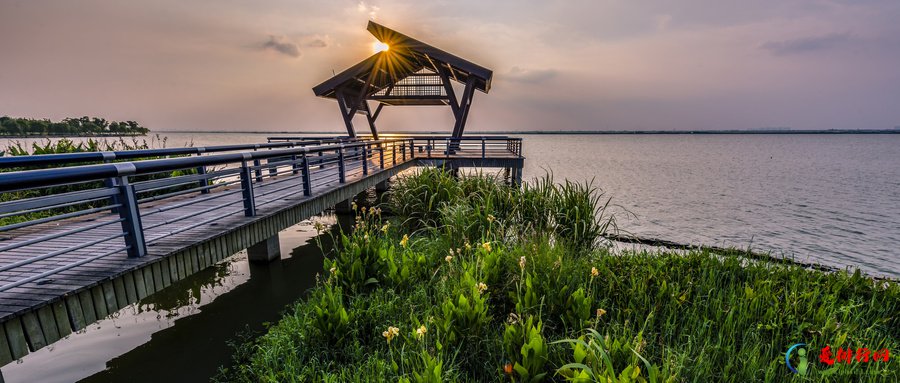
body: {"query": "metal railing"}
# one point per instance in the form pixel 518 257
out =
pixel 9 162
pixel 94 211
pixel 436 146
pixel 469 147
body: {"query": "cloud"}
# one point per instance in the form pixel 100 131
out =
pixel 806 44
pixel 372 10
pixel 530 76
pixel 282 45
pixel 316 43
pixel 663 22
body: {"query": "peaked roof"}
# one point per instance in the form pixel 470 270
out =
pixel 404 57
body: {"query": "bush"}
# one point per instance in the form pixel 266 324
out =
pixel 514 307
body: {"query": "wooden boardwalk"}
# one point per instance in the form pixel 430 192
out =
pixel 42 311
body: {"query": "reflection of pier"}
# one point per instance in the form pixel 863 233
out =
pixel 83 235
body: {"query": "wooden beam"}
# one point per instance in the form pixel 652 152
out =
pixel 377 111
pixel 448 87
pixel 348 117
pixel 465 103
pixel 371 118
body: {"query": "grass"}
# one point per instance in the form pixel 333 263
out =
pixel 475 281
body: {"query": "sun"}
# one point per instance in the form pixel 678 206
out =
pixel 379 46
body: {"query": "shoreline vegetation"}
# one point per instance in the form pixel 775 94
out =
pixel 471 280
pixel 896 130
pixel 68 127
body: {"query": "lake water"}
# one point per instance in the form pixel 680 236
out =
pixel 831 199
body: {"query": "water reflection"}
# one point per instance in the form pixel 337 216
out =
pixel 183 332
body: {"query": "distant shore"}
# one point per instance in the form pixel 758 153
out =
pixel 89 135
pixel 585 132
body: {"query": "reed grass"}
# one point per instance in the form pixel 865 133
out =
pixel 509 284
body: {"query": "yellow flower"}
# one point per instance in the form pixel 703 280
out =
pixel 486 246
pixel 522 262
pixel 601 312
pixel 390 333
pixel 448 258
pixel 468 246
pixel 404 241
pixel 490 218
pixel 333 270
pixel 363 210
pixel 353 206
pixel 594 272
pixel 319 226
pixel 451 251
pixel 384 228
pixel 481 287
pixel 420 332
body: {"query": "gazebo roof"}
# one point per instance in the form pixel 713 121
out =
pixel 404 57
pixel 409 72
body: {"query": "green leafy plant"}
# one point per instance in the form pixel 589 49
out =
pixel 527 350
pixel 466 312
pixel 593 361
pixel 331 318
pixel 578 309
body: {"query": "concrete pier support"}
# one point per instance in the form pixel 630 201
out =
pixel 265 251
pixel 344 207
pixel 515 176
pixel 381 186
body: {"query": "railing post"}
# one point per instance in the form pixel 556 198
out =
pixel 201 170
pixel 321 163
pixel 258 170
pixel 307 184
pixel 342 174
pixel 273 170
pixel 428 146
pixel 403 151
pixel 381 155
pixel 447 149
pixel 483 148
pixel 393 153
pixel 365 160
pixel 247 189
pixel 412 149
pixel 131 218
pixel 294 165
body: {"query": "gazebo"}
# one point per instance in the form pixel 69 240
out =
pixel 408 73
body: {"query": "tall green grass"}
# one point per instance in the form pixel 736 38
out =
pixel 455 289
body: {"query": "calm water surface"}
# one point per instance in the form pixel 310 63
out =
pixel 831 199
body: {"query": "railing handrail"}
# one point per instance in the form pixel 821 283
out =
pixel 69 158
pixel 25 179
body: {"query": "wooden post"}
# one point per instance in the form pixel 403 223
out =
pixel 307 185
pixel 247 190
pixel 131 219
pixel 342 174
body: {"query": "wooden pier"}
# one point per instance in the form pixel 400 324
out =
pixel 82 242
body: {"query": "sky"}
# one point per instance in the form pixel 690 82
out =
pixel 237 65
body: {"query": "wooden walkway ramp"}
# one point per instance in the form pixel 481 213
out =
pixel 79 243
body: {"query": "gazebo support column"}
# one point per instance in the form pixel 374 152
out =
pixel 346 113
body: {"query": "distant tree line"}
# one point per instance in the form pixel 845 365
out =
pixel 83 126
